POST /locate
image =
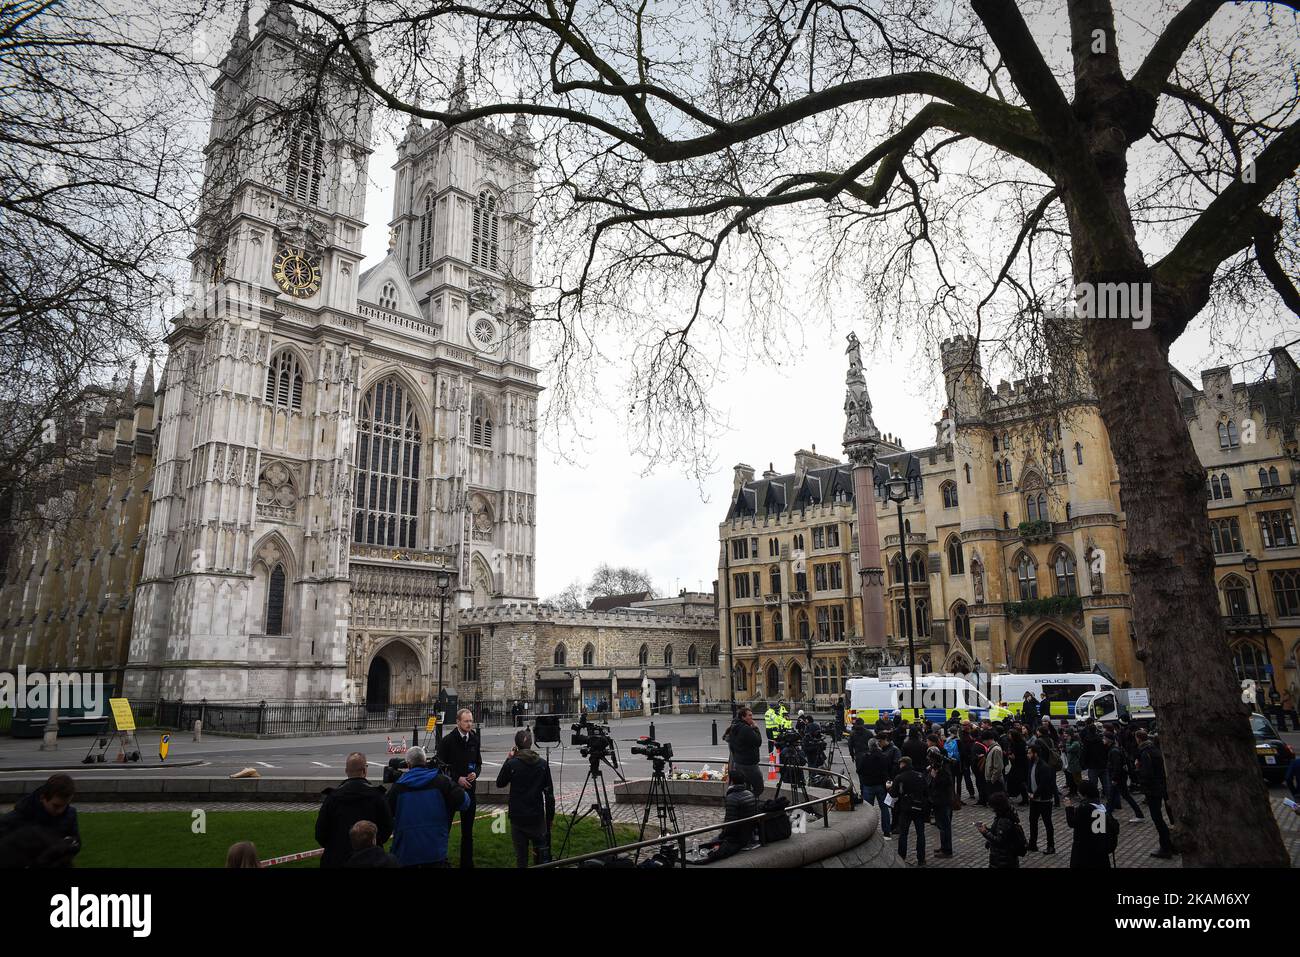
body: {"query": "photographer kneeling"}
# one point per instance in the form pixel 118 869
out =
pixel 740 804
pixel 745 740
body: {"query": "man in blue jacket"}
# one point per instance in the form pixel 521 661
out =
pixel 422 803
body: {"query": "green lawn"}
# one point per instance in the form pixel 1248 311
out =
pixel 165 838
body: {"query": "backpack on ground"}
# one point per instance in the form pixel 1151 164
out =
pixel 775 825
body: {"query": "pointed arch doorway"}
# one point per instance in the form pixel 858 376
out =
pixel 1052 652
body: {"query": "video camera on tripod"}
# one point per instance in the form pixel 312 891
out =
pixel 653 750
pixel 595 741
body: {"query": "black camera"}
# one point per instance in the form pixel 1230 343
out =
pixel 654 750
pixel 594 740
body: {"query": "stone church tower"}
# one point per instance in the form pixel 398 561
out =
pixel 335 444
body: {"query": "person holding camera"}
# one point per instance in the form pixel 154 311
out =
pixel 531 806
pixel 744 741
pixel 461 754
pixel 422 803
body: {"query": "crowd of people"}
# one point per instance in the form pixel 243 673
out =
pixel 915 773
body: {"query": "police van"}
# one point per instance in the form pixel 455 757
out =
pixel 1063 691
pixel 942 697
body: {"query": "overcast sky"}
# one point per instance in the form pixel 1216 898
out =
pixel 601 509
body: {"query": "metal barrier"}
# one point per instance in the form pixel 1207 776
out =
pixel 680 838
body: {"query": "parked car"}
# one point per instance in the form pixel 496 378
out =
pixel 1274 754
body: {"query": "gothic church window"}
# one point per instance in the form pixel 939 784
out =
pixel 484 244
pixel 388 467
pixel 561 655
pixel 956 563
pixel 949 491
pixel 643 656
pixel 303 177
pixel 1027 574
pixel 275 601
pixel 1066 584
pixel 589 655
pixel 424 250
pixel 284 381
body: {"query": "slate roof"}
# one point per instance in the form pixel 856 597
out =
pixel 618 601
pixel 782 493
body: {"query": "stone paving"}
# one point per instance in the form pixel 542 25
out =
pixel 1136 840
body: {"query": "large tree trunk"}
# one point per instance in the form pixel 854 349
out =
pixel 1216 790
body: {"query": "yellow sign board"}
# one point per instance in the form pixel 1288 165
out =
pixel 123 719
pixel 431 723
pixel 164 745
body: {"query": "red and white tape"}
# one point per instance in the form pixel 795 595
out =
pixel 302 856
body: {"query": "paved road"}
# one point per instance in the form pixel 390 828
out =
pixel 690 735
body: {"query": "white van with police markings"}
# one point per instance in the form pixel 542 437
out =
pixel 941 697
pixel 1063 690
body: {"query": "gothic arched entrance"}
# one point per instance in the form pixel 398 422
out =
pixel 773 682
pixel 394 677
pixel 378 680
pixel 1052 652
pixel 795 684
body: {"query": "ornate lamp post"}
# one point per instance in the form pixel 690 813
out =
pixel 444 588
pixel 896 492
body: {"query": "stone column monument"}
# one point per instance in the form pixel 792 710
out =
pixel 860 442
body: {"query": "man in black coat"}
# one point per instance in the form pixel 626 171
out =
pixel 909 790
pixel 356 799
pixel 531 805
pixel 739 804
pixel 1040 781
pixel 462 754
pixel 1095 755
pixel 745 742
pixel 1155 788
pixel 42 830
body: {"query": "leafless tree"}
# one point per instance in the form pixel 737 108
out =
pixel 953 168
pixel 573 597
pixel 609 580
pixel 93 177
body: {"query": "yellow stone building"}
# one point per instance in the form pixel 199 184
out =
pixel 1015 540
pixel 66 601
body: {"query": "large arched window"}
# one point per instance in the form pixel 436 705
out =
pixel 803 626
pixel 922 618
pixel 1250 661
pixel 961 621
pixel 388 467
pixel 284 381
pixel 691 657
pixel 949 492
pixel 917 571
pixel 424 250
pixel 275 601
pixel 668 654
pixel 302 177
pixel 1066 584
pixel 484 245
pixel 1027 574
pixel 956 563
pixel 1235 596
pixel 1036 507
pixel 643 656
pixel 589 655
pixel 896 570
pixel 561 656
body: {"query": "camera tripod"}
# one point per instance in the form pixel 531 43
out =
pixel 798 781
pixel 660 797
pixel 601 807
pixel 836 755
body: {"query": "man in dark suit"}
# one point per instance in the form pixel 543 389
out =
pixel 459 750
pixel 356 799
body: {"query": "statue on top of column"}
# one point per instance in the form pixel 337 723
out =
pixel 858 425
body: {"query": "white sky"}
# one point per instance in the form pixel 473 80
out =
pixel 601 509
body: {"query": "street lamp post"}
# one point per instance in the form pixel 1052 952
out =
pixel 444 587
pixel 1251 564
pixel 896 490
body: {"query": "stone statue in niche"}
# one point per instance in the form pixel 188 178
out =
pixel 977 578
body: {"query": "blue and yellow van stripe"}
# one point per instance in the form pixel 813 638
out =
pixel 938 715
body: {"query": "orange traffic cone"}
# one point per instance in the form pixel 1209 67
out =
pixel 771 766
